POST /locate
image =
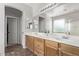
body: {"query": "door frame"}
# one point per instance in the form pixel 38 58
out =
pixel 6 28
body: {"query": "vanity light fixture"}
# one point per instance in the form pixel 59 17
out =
pixel 47 7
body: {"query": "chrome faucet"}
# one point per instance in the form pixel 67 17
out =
pixel 47 32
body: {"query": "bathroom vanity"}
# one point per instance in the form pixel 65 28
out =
pixel 51 46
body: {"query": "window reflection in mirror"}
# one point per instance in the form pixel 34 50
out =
pixel 59 26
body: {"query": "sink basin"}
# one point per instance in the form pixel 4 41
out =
pixel 57 37
pixel 41 34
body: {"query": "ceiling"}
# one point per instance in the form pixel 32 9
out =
pixel 33 5
pixel 36 7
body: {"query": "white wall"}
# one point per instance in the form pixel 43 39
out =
pixel 49 24
pixel 36 24
pixel 12 12
pixel 2 14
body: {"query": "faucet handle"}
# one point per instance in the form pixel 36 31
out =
pixel 68 33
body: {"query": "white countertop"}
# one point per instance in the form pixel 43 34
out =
pixel 69 41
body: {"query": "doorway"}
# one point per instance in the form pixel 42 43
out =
pixel 12 31
pixel 13 18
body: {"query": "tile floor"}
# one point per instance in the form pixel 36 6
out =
pixel 17 50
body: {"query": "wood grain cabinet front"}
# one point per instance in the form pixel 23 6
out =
pixel 43 47
pixel 29 42
pixel 68 50
pixel 51 48
pixel 39 46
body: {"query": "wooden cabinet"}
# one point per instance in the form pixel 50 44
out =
pixel 35 44
pixel 68 50
pixel 38 46
pixel 43 47
pixel 51 48
pixel 29 42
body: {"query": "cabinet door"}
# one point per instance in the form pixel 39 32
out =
pixel 51 48
pixel 39 46
pixel 64 53
pixel 68 50
pixel 29 42
pixel 49 51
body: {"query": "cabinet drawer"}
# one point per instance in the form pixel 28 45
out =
pixel 72 50
pixel 51 44
pixel 39 39
pixel 39 43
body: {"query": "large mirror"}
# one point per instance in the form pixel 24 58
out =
pixel 67 23
pixel 73 27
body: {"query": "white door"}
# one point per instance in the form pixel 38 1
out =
pixel 12 31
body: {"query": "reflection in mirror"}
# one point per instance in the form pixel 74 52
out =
pixel 59 26
pixel 41 24
pixel 30 26
pixel 73 27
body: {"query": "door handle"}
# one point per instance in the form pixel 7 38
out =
pixel 8 32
